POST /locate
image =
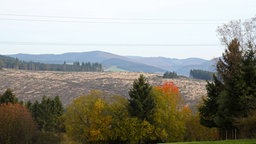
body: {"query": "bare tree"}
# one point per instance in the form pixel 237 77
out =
pixel 243 31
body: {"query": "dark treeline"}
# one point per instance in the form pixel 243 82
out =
pixel 201 74
pixel 12 63
pixel 170 75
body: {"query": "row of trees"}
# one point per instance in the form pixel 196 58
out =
pixel 8 62
pixel 230 104
pixel 36 123
pixel 150 115
pixel 47 114
pixel 201 74
pixel 170 75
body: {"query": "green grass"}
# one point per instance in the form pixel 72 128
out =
pixel 221 142
pixel 115 69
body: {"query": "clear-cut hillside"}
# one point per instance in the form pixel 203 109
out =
pixel 30 85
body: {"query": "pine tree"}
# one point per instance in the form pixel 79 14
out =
pixel 226 93
pixel 8 97
pixel 48 114
pixel 230 70
pixel 141 102
pixel 208 111
pixel 249 76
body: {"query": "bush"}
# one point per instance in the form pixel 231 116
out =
pixel 197 132
pixel 46 138
pixel 247 126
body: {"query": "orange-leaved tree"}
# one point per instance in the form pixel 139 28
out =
pixel 168 115
pixel 16 124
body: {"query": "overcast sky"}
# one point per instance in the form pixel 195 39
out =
pixel 168 28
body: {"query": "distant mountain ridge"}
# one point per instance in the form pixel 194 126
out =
pixel 127 63
pixel 93 56
pixel 180 66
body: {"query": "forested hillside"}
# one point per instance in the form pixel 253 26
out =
pixel 124 63
pixel 12 63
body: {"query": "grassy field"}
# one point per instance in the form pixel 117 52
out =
pixel 115 69
pixel 221 142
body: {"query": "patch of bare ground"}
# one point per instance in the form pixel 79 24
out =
pixel 33 85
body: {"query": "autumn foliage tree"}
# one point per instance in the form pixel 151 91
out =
pixel 96 118
pixel 16 124
pixel 86 119
pixel 168 116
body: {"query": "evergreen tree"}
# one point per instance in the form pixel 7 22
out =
pixel 141 102
pixel 208 111
pixel 230 70
pixel 8 97
pixel 29 105
pixel 249 76
pixel 225 94
pixel 47 114
pixel 170 75
pixel 236 70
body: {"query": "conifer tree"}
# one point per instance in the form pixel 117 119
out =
pixel 236 72
pixel 208 111
pixel 249 76
pixel 229 68
pixel 224 94
pixel 47 113
pixel 8 97
pixel 141 102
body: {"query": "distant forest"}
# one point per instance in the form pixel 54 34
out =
pixel 170 75
pixel 201 74
pixel 12 63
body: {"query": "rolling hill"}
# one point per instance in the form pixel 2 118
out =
pixel 180 66
pixel 124 63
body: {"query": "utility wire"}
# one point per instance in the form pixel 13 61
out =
pixel 105 44
pixel 101 18
pixel 110 22
pixel 41 18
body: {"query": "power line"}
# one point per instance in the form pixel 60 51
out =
pixel 101 18
pixel 109 22
pixel 106 44
pixel 41 18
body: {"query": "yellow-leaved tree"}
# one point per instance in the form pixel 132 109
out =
pixel 168 116
pixel 97 118
pixel 86 120
pixel 127 129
